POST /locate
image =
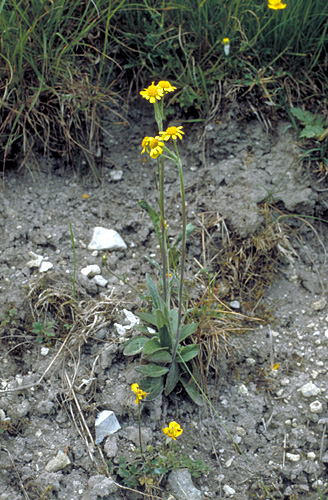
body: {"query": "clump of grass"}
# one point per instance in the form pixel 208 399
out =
pixel 55 76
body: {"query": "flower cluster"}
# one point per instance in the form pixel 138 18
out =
pixel 173 430
pixel 154 92
pixel 139 393
pixel 154 145
pixel 276 5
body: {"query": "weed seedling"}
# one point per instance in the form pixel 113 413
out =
pixel 45 332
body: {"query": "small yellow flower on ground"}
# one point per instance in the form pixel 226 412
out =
pixel 138 392
pixel 166 86
pixel 226 41
pixel 173 430
pixel 276 4
pixel 152 93
pixel 172 132
pixel 155 146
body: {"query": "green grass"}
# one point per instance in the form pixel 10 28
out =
pixel 62 63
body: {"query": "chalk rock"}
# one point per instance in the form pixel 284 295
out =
pixel 45 266
pixel 106 424
pixel 316 407
pixel 106 239
pixel 58 462
pixel 310 389
pixel 91 271
pixel 319 304
pixel 182 486
pixel 228 490
pixel 100 280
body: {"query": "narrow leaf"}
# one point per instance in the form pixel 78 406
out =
pixel 152 345
pixel 172 378
pixel 161 356
pixel 192 391
pixel 187 330
pixel 187 352
pixel 134 346
pixel 152 370
pixel 165 338
pixel 154 386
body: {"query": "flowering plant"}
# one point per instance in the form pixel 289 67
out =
pixel 163 329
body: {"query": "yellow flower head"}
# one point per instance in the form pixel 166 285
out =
pixel 138 392
pixel 145 144
pixel 276 4
pixel 172 132
pixel 226 41
pixel 173 430
pixel 152 93
pixel 166 86
pixel 155 145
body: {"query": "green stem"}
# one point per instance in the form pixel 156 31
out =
pixel 183 251
pixel 162 225
pixel 140 427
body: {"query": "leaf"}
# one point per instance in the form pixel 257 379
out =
pixel 314 130
pixel 152 370
pixel 160 318
pixel 165 337
pixel 154 292
pixel 162 356
pixel 172 378
pixel 187 330
pixel 151 346
pixel 305 117
pixel 174 316
pixel 148 318
pixel 192 391
pixel 187 353
pixel 134 346
pixel 154 386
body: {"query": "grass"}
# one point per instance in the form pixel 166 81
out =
pixel 62 63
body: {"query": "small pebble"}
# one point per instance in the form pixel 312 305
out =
pixel 293 457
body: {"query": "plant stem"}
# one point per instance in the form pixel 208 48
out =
pixel 162 225
pixel 74 260
pixel 140 427
pixel 183 251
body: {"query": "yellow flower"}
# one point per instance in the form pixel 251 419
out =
pixel 152 93
pixel 173 132
pixel 276 4
pixel 166 86
pixel 173 430
pixel 138 392
pixel 155 146
pixel 144 144
pixel 226 41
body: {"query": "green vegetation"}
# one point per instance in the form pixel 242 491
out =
pixel 62 63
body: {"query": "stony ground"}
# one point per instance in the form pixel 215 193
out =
pixel 267 438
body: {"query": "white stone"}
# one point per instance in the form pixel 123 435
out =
pixel 311 455
pixel 243 390
pixel 240 431
pixel 228 490
pixel 235 304
pixel 91 271
pixel 285 381
pixel 106 239
pixel 293 457
pixel 36 260
pixel 100 281
pixel 319 304
pixel 58 462
pixel 116 175
pixel 316 407
pixel 45 266
pixel 310 389
pixel 44 351
pixel 106 424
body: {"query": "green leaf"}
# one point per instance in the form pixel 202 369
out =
pixel 303 116
pixel 158 302
pixel 148 318
pixel 174 316
pixel 310 131
pixel 192 391
pixel 152 370
pixel 160 318
pixel 154 386
pixel 187 352
pixel 152 345
pixel 187 330
pixel 162 356
pixel 134 346
pixel 172 378
pixel 165 337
